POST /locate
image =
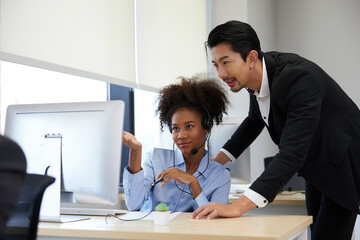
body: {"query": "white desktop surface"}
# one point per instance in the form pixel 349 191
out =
pixel 253 227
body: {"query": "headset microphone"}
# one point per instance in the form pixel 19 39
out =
pixel 195 150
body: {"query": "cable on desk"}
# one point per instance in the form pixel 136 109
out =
pixel 134 219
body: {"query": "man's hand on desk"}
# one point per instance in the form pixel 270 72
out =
pixel 236 209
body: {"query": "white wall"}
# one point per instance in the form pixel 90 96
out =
pixel 326 32
pixel 220 12
pixel 170 36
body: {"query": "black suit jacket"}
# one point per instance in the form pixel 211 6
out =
pixel 316 127
pixel 12 175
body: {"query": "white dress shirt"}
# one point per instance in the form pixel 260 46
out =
pixel 263 96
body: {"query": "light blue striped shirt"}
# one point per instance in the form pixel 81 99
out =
pixel 139 194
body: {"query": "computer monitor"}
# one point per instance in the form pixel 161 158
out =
pixel 240 169
pixel 90 143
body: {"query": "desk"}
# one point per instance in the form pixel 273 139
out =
pixel 254 227
pixel 284 198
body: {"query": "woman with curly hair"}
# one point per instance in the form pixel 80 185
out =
pixel 187 178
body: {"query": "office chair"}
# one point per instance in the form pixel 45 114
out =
pixel 12 175
pixel 23 223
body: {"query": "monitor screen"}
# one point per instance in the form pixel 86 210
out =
pixel 240 169
pixel 90 143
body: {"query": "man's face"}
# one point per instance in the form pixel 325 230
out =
pixel 230 66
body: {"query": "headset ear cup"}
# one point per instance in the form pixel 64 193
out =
pixel 210 123
pixel 207 121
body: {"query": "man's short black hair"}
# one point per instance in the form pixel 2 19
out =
pixel 240 35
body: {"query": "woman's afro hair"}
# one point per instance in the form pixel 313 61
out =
pixel 206 95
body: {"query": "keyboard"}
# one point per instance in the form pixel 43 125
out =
pixel 91 211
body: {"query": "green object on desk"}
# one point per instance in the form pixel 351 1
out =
pixel 162 207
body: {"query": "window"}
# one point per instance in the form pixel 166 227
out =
pixel 147 123
pixel 22 84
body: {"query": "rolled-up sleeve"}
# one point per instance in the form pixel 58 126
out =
pixel 220 193
pixel 134 199
pixel 200 200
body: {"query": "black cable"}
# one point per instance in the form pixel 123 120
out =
pixel 201 173
pixel 134 219
pixel 178 200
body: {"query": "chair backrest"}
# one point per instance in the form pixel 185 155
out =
pixel 12 175
pixel 24 221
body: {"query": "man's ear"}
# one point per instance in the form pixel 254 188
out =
pixel 252 58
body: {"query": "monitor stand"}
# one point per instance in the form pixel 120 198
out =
pixel 51 161
pixel 71 207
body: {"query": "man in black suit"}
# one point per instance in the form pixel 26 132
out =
pixel 12 175
pixel 314 123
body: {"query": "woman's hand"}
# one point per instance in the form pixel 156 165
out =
pixel 181 177
pixel 135 146
pixel 176 174
pixel 131 142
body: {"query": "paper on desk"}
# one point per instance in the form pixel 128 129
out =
pixel 137 214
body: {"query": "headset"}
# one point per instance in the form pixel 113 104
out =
pixel 207 121
pixel 200 174
pixel 207 124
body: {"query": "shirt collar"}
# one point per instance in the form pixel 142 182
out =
pixel 180 163
pixel 264 89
